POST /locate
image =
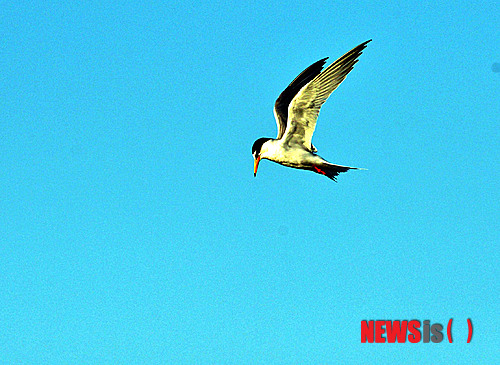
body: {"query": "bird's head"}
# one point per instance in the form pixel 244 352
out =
pixel 258 149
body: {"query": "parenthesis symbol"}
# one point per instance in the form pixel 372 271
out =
pixel 469 323
pixel 450 340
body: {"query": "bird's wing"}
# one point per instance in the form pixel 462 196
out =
pixel 283 101
pixel 304 107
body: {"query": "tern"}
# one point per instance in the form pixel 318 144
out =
pixel 296 111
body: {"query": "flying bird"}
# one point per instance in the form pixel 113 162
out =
pixel 296 111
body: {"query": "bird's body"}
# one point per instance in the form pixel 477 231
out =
pixel 296 111
pixel 290 154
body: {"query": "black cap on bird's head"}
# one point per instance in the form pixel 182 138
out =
pixel 257 146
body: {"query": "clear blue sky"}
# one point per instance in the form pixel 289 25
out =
pixel 133 231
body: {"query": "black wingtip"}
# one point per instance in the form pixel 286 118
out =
pixel 363 45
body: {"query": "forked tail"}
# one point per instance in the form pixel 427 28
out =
pixel 331 171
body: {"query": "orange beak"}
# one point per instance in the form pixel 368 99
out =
pixel 256 165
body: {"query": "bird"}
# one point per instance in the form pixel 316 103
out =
pixel 296 111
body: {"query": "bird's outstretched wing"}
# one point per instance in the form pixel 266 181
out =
pixel 283 101
pixel 304 108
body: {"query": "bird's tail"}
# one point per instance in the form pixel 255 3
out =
pixel 331 171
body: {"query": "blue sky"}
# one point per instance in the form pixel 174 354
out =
pixel 133 231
